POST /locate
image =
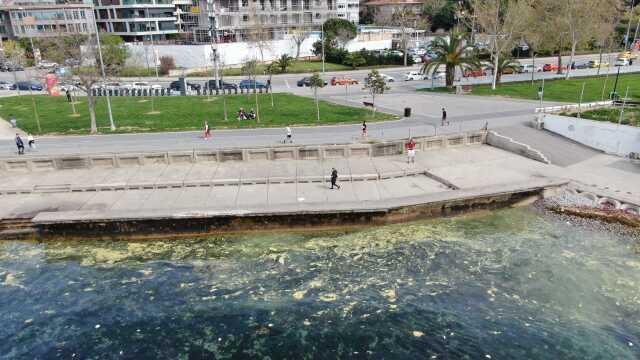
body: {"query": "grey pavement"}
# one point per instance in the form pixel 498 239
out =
pixel 269 185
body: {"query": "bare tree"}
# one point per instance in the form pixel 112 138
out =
pixel 298 36
pixel 15 55
pixel 583 23
pixel 258 34
pixel 250 68
pixel 403 18
pixel 504 22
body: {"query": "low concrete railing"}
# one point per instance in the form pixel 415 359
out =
pixel 585 106
pixel 508 144
pixel 311 152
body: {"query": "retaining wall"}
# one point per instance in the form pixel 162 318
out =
pixel 608 137
pixel 318 152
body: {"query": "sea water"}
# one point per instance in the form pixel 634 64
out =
pixel 510 284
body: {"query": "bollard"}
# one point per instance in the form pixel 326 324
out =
pixel 94 92
pixel 110 92
pixel 236 90
pixel 260 90
pixel 254 90
pixel 198 92
pixel 241 90
pixel 162 92
pixel 116 92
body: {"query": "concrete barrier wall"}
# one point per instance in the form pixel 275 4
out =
pixel 508 144
pixel 200 56
pixel 608 137
pixel 275 153
pixel 573 107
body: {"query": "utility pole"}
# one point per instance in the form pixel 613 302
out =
pixel 214 52
pixel 104 76
pixel 322 37
pixel 614 94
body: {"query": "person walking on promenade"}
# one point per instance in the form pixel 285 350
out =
pixel 207 131
pixel 19 144
pixel 31 141
pixel 68 95
pixel 334 178
pixel 411 151
pixel 444 117
pixel 288 138
pixel 364 128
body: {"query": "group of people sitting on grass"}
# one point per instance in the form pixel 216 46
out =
pixel 243 115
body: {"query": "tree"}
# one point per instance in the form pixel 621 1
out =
pixel 284 62
pixel 167 63
pixel 15 54
pixel 376 84
pixel 271 69
pixel 340 30
pixel 440 13
pixel 354 60
pixel 452 54
pixel 258 34
pixel 316 82
pixel 503 64
pixel 298 37
pixel 403 18
pixel 504 22
pixel 81 54
pixel 114 53
pixel 250 68
pixel 582 22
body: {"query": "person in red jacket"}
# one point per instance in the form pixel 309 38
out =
pixel 411 151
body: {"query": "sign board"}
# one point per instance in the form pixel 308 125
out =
pixel 195 10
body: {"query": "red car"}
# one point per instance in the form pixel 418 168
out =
pixel 474 73
pixel 552 67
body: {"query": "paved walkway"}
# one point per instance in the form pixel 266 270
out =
pixel 266 185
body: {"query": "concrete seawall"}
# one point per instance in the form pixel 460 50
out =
pixel 283 152
pixel 119 225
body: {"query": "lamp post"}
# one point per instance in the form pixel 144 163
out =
pixel 614 93
pixel 322 38
pixel 112 125
pixel 155 54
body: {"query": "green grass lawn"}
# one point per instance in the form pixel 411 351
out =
pixel 631 115
pixel 564 90
pixel 176 113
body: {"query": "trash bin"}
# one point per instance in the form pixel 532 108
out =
pixel 407 112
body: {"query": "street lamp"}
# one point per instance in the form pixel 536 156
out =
pixel 104 76
pixel 322 38
pixel 153 48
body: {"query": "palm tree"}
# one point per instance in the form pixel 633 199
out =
pixel 284 62
pixel 504 64
pixel 453 54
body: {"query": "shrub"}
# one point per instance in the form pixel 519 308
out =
pixel 167 63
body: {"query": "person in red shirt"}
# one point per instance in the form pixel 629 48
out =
pixel 411 151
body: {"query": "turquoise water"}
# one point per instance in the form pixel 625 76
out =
pixel 511 284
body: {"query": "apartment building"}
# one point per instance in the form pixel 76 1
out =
pixel 44 18
pixel 236 19
pixel 138 20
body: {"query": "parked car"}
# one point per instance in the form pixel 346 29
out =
pixel 6 85
pixel 306 81
pixel 417 59
pixel 8 66
pixel 527 68
pixel 594 64
pixel 395 52
pixel 343 81
pixel 387 78
pixel 508 71
pixel 622 62
pixel 418 51
pixel 580 65
pixel 414 75
pixel 627 55
pixel 552 67
pixel 474 73
pixel 211 84
pixel 29 85
pixel 175 85
pixel 45 64
pixel 252 84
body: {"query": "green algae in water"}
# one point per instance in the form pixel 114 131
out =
pixel 507 284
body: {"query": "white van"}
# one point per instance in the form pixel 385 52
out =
pixel 414 75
